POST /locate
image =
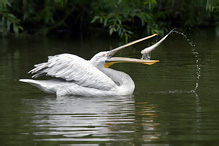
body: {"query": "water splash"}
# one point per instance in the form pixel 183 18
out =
pixel 146 55
pixel 184 36
pixel 196 54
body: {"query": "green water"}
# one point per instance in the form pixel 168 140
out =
pixel 164 108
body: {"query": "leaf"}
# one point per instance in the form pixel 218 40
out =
pixel 120 22
pixel 26 15
pixel 8 25
pixel 15 28
pixel 8 3
pixel 111 31
pixel 21 28
pixel 95 18
pixel 10 15
pixel 101 19
pixel 3 20
pixel 130 32
pixel 105 21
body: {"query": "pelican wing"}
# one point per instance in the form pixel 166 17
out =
pixel 73 69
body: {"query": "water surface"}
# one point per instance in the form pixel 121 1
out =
pixel 164 108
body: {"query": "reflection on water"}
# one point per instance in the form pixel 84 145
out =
pixel 91 118
pixel 115 119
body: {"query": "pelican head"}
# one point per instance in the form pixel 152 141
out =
pixel 100 59
pixel 105 58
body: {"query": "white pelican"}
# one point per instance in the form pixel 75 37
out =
pixel 76 76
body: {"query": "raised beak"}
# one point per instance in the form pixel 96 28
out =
pixel 112 52
pixel 114 60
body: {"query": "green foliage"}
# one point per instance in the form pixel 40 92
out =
pixel 122 17
pixel 41 16
pixel 199 12
pixel 7 20
pixel 156 16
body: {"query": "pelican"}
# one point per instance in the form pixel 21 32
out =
pixel 77 76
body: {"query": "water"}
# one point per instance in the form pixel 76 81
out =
pixel 163 110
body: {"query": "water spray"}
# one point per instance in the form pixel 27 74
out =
pixel 146 54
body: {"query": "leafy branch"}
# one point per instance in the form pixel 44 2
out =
pixel 8 20
pixel 114 24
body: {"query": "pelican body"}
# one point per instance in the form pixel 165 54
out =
pixel 77 76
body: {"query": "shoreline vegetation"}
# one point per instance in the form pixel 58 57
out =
pixel 117 17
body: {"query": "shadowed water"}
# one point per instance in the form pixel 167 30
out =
pixel 175 100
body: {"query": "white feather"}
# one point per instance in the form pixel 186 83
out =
pixel 73 68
